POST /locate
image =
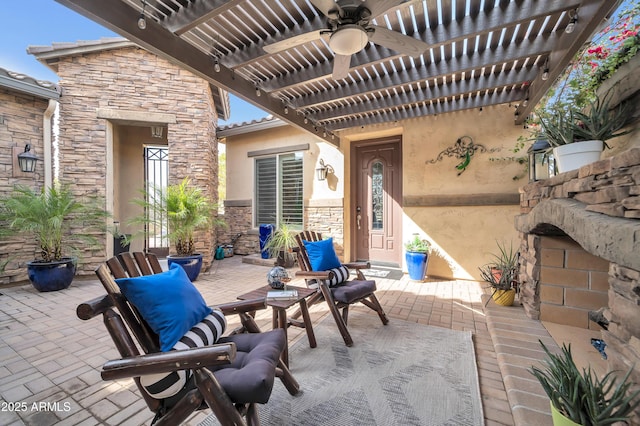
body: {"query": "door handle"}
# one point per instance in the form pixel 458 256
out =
pixel 358 217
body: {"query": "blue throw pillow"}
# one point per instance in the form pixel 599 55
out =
pixel 322 255
pixel 168 302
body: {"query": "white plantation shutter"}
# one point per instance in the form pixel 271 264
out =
pixel 291 190
pixel 265 185
pixel 279 191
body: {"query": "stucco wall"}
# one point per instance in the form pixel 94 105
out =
pixel 436 199
pixel 106 91
pixel 21 123
pixel 465 235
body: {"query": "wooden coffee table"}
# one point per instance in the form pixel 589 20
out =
pixel 280 307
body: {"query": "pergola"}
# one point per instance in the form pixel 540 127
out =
pixel 410 58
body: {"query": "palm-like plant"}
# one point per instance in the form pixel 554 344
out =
pixel 186 210
pixel 51 216
pixel 582 396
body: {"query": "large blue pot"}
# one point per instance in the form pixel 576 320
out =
pixel 417 265
pixel 52 276
pixel 191 264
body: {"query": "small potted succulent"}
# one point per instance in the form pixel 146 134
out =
pixel 581 397
pixel 417 257
pixel 578 137
pixel 502 274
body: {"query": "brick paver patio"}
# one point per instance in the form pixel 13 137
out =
pixel 49 373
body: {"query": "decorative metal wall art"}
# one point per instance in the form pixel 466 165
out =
pixel 464 149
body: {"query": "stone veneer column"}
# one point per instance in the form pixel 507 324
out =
pixel 133 79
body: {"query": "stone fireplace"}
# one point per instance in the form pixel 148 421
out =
pixel 580 251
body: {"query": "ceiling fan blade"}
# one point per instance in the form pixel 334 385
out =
pixel 329 8
pixel 291 42
pixel 397 41
pixel 378 7
pixel 341 65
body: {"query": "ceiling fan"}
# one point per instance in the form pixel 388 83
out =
pixel 349 29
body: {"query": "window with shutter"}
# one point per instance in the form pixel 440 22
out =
pixel 278 190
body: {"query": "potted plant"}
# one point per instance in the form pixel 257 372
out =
pixel 578 137
pixel 54 217
pixel 280 245
pixel 186 210
pixel 502 274
pixel 417 257
pixel 581 398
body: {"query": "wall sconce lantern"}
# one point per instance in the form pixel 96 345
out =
pixel 27 160
pixel 541 161
pixel 323 170
pixel 156 131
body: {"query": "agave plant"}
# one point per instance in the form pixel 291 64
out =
pixel 51 216
pixel 601 122
pixel 582 396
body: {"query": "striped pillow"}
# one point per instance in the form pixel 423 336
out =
pixel 340 275
pixel 205 333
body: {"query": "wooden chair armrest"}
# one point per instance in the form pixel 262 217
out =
pixel 166 362
pixel 242 306
pixel 94 307
pixel 322 275
pixel 357 265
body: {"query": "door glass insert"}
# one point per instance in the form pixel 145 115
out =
pixel 377 204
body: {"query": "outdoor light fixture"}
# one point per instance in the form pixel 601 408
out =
pixel 27 160
pixel 142 22
pixel 156 131
pixel 216 64
pixel 349 39
pixel 258 92
pixel 541 163
pixel 572 22
pixel 545 70
pixel 323 170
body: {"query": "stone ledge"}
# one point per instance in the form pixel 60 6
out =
pixel 525 395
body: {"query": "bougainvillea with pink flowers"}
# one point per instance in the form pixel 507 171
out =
pixel 612 47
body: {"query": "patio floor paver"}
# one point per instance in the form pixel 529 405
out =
pixel 49 355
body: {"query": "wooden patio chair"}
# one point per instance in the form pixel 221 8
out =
pixel 230 376
pixel 334 285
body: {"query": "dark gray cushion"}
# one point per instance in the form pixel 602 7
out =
pixel 250 377
pixel 351 291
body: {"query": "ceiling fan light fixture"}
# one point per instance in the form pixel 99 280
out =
pixel 348 39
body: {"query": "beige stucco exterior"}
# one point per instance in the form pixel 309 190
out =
pixel 463 235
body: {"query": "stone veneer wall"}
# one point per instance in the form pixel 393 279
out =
pixel 322 216
pixel 598 207
pixel 21 121
pixel 132 79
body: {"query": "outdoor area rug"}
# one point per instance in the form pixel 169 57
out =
pixel 399 374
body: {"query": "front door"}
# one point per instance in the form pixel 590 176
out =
pixel 378 201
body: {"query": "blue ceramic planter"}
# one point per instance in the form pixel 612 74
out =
pixel 191 264
pixel 52 276
pixel 417 265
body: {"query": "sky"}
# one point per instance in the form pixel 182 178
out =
pixel 43 22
